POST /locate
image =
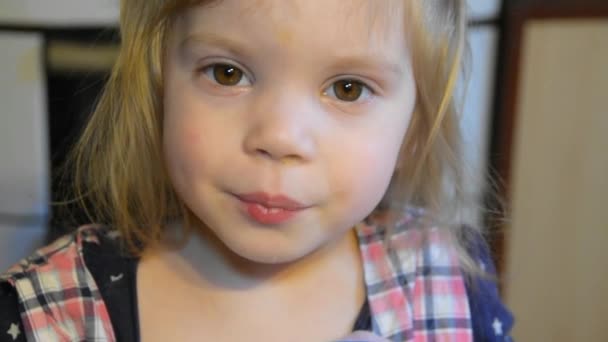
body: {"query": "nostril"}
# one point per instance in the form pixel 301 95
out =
pixel 285 159
pixel 264 153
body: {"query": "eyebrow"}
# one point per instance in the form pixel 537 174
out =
pixel 240 48
pixel 371 62
pixel 233 46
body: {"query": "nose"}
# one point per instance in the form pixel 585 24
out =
pixel 281 128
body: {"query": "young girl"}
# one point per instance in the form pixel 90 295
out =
pixel 269 171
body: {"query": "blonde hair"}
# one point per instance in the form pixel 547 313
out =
pixel 120 175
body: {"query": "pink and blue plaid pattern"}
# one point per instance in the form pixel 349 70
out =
pixel 58 298
pixel 416 290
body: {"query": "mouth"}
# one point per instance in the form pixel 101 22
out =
pixel 270 209
pixel 271 201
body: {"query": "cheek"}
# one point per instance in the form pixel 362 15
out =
pixel 179 147
pixel 368 160
pixel 369 166
pixel 183 146
pixel 362 173
pixel 186 139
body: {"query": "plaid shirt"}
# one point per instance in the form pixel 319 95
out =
pixel 416 291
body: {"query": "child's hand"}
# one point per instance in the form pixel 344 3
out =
pixel 362 336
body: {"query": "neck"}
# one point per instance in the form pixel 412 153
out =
pixel 206 262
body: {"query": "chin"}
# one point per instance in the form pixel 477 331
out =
pixel 265 250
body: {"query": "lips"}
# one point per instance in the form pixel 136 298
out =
pixel 270 209
pixel 272 201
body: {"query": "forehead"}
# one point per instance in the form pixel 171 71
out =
pixel 376 25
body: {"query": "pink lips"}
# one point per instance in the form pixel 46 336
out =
pixel 270 209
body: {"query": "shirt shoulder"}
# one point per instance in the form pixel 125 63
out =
pixel 61 254
pixel 56 291
pixel 414 281
pixel 419 265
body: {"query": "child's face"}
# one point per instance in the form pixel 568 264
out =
pixel 305 99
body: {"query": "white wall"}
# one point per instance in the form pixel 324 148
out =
pixel 479 91
pixel 484 9
pixel 477 111
pixel 94 12
pixel 24 166
pixel 59 12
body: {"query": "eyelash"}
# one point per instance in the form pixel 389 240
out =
pixel 208 69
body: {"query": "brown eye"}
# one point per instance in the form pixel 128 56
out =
pixel 226 74
pixel 348 90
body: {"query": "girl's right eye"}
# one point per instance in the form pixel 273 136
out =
pixel 226 75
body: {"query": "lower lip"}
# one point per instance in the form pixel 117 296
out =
pixel 269 216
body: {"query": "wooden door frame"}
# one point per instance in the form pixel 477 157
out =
pixel 515 15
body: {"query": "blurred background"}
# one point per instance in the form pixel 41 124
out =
pixel 535 116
